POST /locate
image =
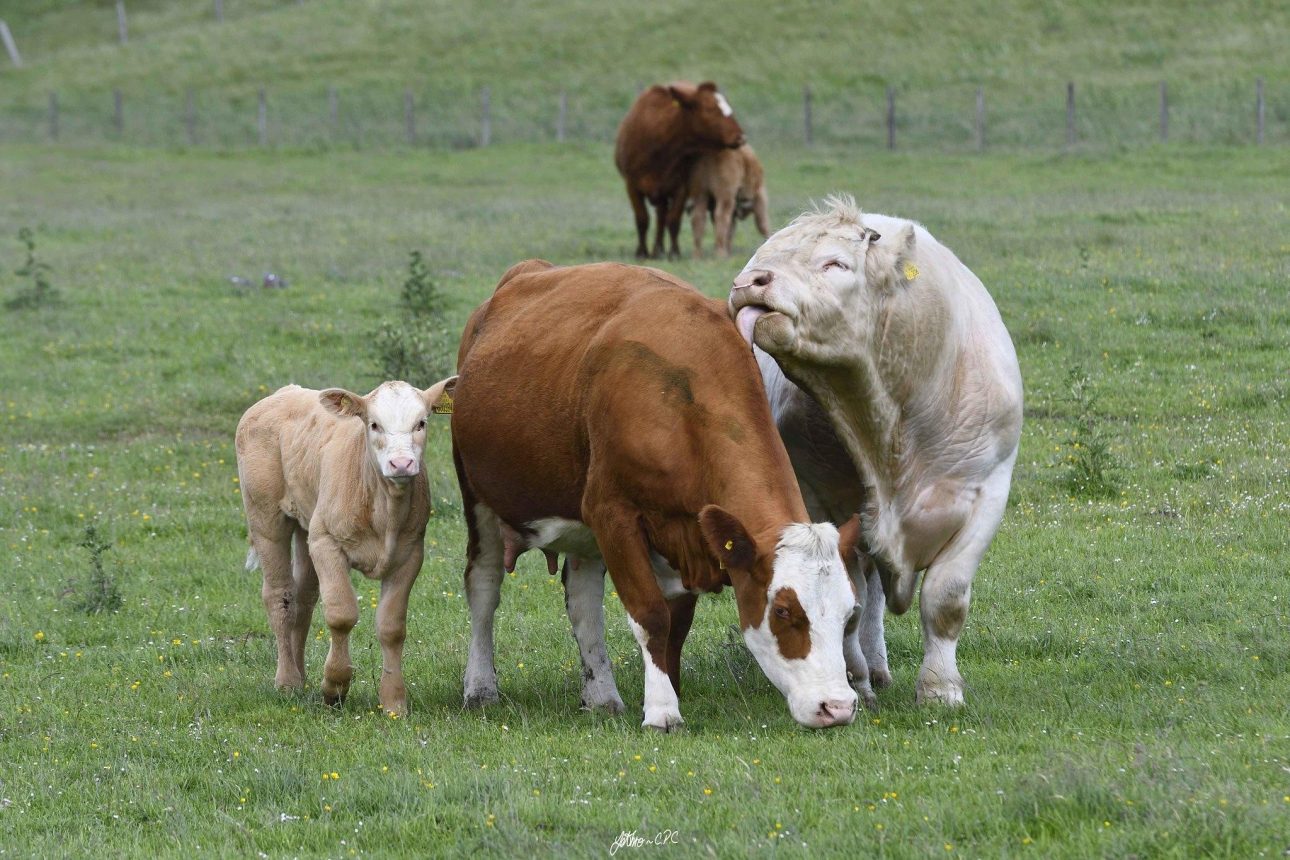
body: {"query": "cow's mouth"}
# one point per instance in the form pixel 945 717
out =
pixel 747 317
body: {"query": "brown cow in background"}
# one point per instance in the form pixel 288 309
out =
pixel 664 133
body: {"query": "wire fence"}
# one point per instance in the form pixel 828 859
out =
pixel 953 119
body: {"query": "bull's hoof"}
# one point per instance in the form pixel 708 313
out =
pixel 661 721
pixel 609 707
pixel 938 692
pixel 481 698
pixel 880 678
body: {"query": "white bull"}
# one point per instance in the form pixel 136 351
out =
pixel 913 414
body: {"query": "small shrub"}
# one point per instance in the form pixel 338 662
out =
pixel 100 594
pixel 417 347
pixel 1090 469
pixel 39 291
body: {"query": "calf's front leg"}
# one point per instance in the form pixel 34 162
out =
pixel 340 611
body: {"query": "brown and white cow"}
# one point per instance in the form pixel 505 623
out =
pixel 336 476
pixel 665 130
pixel 612 413
pixel 728 185
pixel 909 407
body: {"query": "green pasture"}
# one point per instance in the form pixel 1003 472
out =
pixel 1126 656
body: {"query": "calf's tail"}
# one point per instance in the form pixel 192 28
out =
pixel 252 559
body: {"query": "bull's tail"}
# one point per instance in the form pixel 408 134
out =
pixel 252 559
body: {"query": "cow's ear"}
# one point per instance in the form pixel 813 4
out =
pixel 710 86
pixel 890 260
pixel 727 538
pixel 849 538
pixel 338 401
pixel 438 397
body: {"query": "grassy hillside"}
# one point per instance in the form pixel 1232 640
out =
pixel 1014 46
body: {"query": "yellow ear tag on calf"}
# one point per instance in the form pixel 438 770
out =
pixel 911 271
pixel 442 406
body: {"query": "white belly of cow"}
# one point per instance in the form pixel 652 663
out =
pixel 573 537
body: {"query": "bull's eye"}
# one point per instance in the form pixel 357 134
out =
pixel 376 428
pixel 835 264
pixel 421 425
pixel 781 612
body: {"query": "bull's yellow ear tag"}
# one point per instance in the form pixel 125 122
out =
pixel 442 406
pixel 911 271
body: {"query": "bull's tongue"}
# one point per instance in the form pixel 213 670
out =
pixel 746 321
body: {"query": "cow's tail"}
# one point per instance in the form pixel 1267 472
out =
pixel 252 559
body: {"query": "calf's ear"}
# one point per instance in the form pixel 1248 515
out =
pixel 684 96
pixel 727 538
pixel 338 401
pixel 438 397
pixel 849 538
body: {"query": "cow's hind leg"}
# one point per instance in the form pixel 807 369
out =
pixel 271 549
pixel 306 582
pixel 872 636
pixel 681 611
pixel 852 649
pixel 484 572
pixel 584 599
pixel 641 216
pixel 676 208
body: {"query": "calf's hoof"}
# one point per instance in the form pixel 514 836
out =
pixel 480 698
pixel 662 721
pixel 333 700
pixel 395 709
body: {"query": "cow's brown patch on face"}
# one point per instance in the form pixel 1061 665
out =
pixel 789 625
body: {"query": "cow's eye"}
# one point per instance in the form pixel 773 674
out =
pixel 376 428
pixel 835 264
pixel 781 612
pixel 421 425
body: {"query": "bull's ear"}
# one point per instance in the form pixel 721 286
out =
pixel 438 397
pixel 890 260
pixel 344 403
pixel 727 538
pixel 849 538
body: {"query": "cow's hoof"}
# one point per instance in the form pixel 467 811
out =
pixel 938 693
pixel 880 678
pixel 396 710
pixel 867 697
pixel 333 700
pixel 611 707
pixel 480 698
pixel 662 721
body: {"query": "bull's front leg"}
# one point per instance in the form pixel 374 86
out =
pixel 340 611
pixel 391 631
pixel 584 600
pixel 618 532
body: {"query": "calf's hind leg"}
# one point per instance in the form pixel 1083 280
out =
pixel 306 582
pixel 279 595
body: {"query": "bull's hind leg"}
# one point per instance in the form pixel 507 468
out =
pixel 584 599
pixel 278 592
pixel 484 572
pixel 306 582
pixel 873 639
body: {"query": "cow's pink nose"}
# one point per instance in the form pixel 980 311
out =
pixel 836 712
pixel 754 278
pixel 402 466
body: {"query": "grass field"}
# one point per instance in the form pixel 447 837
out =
pixel 1126 656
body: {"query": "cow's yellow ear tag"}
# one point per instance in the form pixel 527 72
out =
pixel 911 271
pixel 730 544
pixel 442 406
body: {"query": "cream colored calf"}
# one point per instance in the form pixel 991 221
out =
pixel 337 477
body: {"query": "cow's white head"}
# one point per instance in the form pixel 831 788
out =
pixel 395 414
pixel 794 604
pixel 816 288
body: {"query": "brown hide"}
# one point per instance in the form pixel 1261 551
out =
pixel 620 386
pixel 664 131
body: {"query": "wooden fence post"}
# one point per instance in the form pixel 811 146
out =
pixel 219 11
pixel 262 118
pixel 333 112
pixel 118 113
pixel 190 117
pixel 891 118
pixel 121 32
pixel 808 131
pixel 1070 113
pixel 1164 112
pixel 562 116
pixel 486 117
pixel 409 117
pixel 980 119
pixel 10 45
pixel 1258 111
pixel 53 116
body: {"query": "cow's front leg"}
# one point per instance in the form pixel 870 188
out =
pixel 681 616
pixel 627 556
pixel 584 600
pixel 340 610
pixel 392 629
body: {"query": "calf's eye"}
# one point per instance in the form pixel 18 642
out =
pixel 836 264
